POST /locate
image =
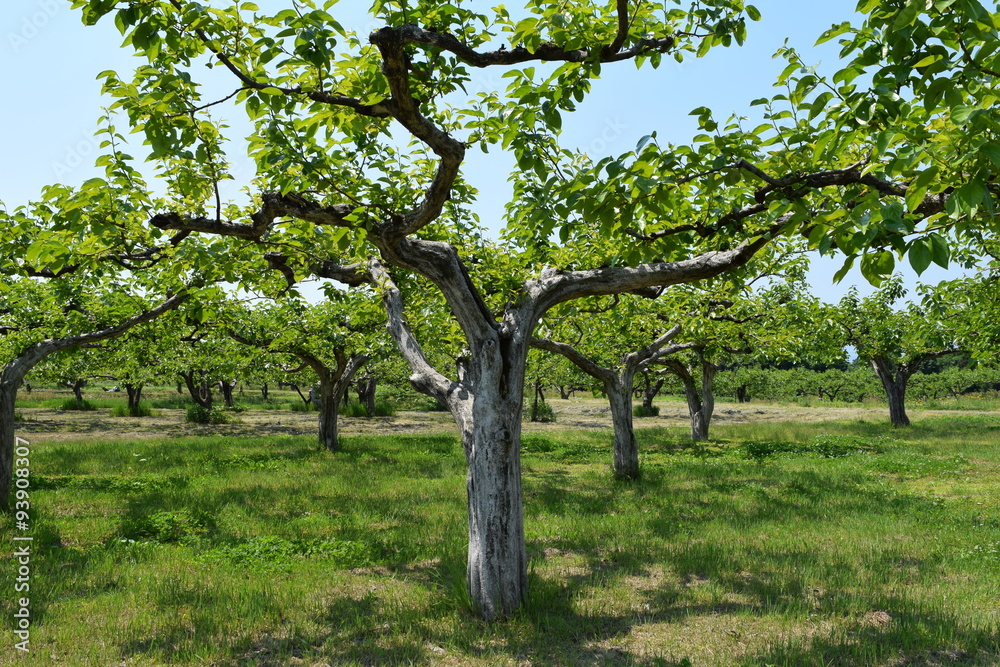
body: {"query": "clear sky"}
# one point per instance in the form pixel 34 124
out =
pixel 49 112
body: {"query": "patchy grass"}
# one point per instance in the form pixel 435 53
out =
pixel 143 409
pixel 846 543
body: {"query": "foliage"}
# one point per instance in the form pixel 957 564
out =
pixel 643 411
pixel 197 414
pixel 143 409
pixel 73 404
pixel 541 412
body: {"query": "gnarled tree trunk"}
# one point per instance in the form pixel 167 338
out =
pixel 650 392
pixel 77 387
pixel 134 394
pixel 226 387
pixel 618 384
pixel 366 393
pixel 488 412
pixel 200 391
pixel 700 395
pixel 626 450
pixel 333 386
pixel 894 382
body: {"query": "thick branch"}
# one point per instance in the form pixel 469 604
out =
pixel 556 286
pixel 15 370
pixel 439 262
pixel 395 67
pixel 645 356
pixel 425 379
pixel 273 205
pixel 412 34
pixel 584 363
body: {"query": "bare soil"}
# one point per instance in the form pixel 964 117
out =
pixel 575 413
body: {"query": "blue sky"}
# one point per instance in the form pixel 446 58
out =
pixel 51 60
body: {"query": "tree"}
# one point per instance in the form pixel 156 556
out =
pixel 897 342
pixel 618 381
pixel 137 358
pixel 338 188
pixel 37 323
pixel 772 323
pixel 330 338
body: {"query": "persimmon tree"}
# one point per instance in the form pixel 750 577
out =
pixel 36 322
pixel 617 343
pixel 359 143
pixel 896 342
pixel 332 338
pixel 773 323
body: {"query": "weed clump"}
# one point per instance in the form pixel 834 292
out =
pixel 73 404
pixel 824 446
pixel 140 410
pixel 643 411
pixel 197 414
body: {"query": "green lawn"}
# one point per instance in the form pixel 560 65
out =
pixel 774 544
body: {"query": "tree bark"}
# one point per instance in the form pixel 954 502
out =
pixel 8 396
pixel 77 387
pixel 333 386
pixel 894 382
pixel 226 387
pixel 626 450
pixel 535 400
pixel 700 399
pixel 366 393
pixel 263 391
pixel 328 402
pixel 134 393
pixel 491 436
pixel 200 392
pixel 650 393
pixel 618 384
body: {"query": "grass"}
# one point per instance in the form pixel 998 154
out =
pixel 847 543
pixel 143 409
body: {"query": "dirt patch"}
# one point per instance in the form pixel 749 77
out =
pixel 47 424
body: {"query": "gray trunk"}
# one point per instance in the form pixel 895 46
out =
pixel 78 390
pixel 134 393
pixel 366 393
pixel 626 451
pixel 651 392
pixel 200 392
pixel 328 402
pixel 497 559
pixel 700 396
pixel 8 395
pixel 894 384
pixel 226 388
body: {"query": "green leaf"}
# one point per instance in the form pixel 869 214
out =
pixel 939 250
pixel 929 60
pixel 919 255
pixel 992 152
pixel 842 271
